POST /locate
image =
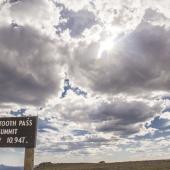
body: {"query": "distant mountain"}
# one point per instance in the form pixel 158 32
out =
pixel 3 167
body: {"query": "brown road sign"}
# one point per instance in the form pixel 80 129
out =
pixel 18 131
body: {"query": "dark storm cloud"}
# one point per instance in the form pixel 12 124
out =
pixel 118 129
pixel 123 118
pixel 118 117
pixel 75 22
pixel 139 62
pixel 27 66
pixel 124 112
pixel 14 1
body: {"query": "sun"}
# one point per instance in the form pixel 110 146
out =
pixel 105 46
pixel 109 40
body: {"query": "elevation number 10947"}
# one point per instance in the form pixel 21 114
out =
pixel 16 140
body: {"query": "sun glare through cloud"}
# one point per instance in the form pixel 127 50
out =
pixel 105 46
pixel 110 38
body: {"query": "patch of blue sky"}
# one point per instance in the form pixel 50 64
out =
pixel 43 125
pixel 79 132
pixel 19 112
pixel 76 90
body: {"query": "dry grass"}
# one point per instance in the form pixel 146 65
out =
pixel 140 165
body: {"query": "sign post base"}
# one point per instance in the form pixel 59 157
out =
pixel 29 159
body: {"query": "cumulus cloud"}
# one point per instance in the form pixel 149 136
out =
pixel 28 70
pixel 156 18
pixel 111 117
pixel 138 63
pixel 23 12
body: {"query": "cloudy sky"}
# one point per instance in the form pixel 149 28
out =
pixel 95 71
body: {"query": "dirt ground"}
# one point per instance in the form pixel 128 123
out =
pixel 139 165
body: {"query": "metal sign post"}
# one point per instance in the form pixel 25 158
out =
pixel 20 132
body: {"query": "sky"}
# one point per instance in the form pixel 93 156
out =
pixel 96 72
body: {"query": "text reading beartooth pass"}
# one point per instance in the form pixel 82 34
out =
pixel 11 123
pixel 16 123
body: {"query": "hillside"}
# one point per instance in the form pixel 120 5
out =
pixel 139 165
